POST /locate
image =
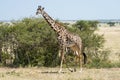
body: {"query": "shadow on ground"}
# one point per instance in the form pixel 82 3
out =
pixel 52 72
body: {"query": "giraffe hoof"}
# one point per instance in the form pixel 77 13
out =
pixel 72 70
pixel 75 70
pixel 60 71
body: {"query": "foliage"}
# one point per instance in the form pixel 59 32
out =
pixel 32 42
pixel 100 60
pixel 38 42
pixel 4 38
pixel 92 43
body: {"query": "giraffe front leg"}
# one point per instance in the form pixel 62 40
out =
pixel 62 58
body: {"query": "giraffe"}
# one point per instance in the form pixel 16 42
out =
pixel 65 38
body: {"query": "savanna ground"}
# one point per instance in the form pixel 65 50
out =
pixel 51 74
pixel 112 37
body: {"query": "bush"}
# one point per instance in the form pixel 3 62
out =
pixel 92 44
pixel 34 43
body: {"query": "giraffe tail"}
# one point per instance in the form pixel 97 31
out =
pixel 85 58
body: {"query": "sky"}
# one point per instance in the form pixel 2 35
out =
pixel 61 9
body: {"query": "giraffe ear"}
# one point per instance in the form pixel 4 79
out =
pixel 43 8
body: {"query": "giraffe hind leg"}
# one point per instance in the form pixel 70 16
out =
pixel 80 62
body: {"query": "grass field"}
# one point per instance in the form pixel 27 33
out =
pixel 51 74
pixel 112 41
pixel 112 37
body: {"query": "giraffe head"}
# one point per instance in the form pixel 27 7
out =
pixel 39 10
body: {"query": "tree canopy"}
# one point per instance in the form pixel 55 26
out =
pixel 32 42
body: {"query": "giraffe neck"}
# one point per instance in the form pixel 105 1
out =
pixel 55 26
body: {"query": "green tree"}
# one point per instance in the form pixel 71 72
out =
pixel 92 42
pixel 1 40
pixel 36 42
pixel 5 43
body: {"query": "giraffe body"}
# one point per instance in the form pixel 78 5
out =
pixel 65 38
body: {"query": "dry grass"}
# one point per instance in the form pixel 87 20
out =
pixel 50 74
pixel 112 37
